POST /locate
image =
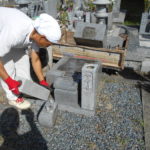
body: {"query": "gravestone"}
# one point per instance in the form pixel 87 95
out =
pixel 51 7
pixel 144 22
pixel 90 81
pixel 88 17
pixel 116 8
pixel 66 76
pixel 144 36
pixel 90 34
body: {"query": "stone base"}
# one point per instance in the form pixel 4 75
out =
pixel 79 110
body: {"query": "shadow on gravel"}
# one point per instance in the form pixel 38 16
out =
pixel 128 73
pixel 143 82
pixel 9 122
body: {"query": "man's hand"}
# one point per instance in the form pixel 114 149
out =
pixel 13 85
pixel 44 83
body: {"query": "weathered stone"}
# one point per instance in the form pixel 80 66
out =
pixel 66 91
pixel 33 89
pixel 110 20
pixel 68 85
pixel 144 36
pixel 144 41
pixel 88 17
pixel 113 42
pixel 90 80
pixel 48 114
pixel 51 7
pixel 66 97
pixel 116 8
pixel 120 19
pixel 145 66
pixel 66 66
pixel 144 22
pixel 90 34
pixel 65 83
pixel 93 18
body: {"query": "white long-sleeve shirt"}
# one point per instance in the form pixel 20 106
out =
pixel 15 30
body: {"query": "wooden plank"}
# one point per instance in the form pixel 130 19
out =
pixel 110 58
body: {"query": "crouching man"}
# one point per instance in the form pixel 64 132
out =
pixel 17 32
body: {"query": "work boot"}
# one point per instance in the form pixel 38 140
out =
pixel 20 103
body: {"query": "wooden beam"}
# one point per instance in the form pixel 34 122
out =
pixel 110 58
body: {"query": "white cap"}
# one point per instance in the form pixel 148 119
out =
pixel 48 26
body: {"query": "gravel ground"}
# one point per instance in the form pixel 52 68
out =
pixel 117 125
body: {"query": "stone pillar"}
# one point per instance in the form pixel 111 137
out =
pixel 116 8
pixel 51 7
pixel 50 57
pixel 90 80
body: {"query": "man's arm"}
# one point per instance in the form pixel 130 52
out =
pixel 37 67
pixel 12 84
pixel 36 64
pixel 3 74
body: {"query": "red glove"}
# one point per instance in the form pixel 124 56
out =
pixel 13 85
pixel 44 83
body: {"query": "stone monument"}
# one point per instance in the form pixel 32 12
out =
pixel 144 34
pixel 71 87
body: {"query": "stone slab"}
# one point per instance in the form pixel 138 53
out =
pixel 90 34
pixel 31 88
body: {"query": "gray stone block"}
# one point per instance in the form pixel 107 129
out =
pixel 54 72
pixel 113 42
pixel 90 34
pixel 65 83
pixel 51 7
pixel 110 20
pixel 90 80
pixel 66 97
pixel 120 19
pixel 116 6
pixel 88 17
pixel 93 18
pixel 68 85
pixel 31 88
pixel 48 114
pixel 144 23
pixel 145 66
pixel 66 66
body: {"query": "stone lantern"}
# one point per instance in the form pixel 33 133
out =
pixel 101 10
